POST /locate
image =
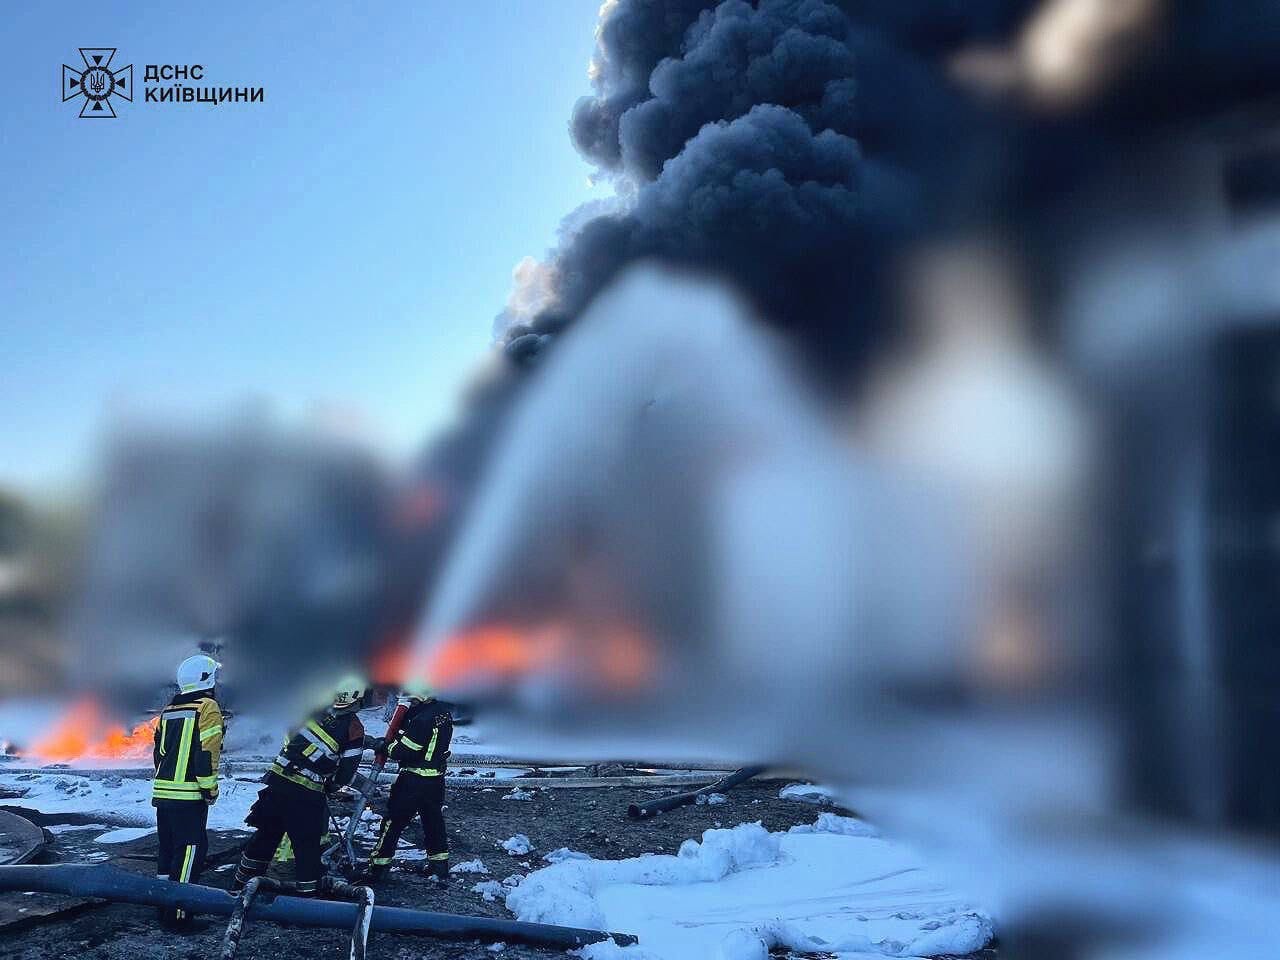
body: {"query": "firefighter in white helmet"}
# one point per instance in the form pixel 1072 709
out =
pixel 188 743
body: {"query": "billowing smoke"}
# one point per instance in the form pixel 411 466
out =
pixel 786 145
pixel 268 549
pixel 794 146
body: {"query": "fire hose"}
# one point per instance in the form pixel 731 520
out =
pixel 121 886
pixel 638 811
pixel 362 897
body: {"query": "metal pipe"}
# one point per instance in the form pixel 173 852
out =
pixel 121 886
pixel 345 846
pixel 661 804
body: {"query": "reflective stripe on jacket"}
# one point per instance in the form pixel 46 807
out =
pixel 422 745
pixel 324 754
pixel 186 749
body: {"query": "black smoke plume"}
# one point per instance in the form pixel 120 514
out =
pixel 795 146
pixel 788 145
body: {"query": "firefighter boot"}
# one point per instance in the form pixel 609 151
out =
pixel 371 874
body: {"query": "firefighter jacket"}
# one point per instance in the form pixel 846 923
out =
pixel 188 744
pixel 324 754
pixel 421 746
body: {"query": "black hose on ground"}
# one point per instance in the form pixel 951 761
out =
pixel 235 927
pixel 121 886
pixel 363 898
pixel 661 804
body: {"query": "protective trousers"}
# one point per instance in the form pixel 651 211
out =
pixel 284 808
pixel 414 796
pixel 182 828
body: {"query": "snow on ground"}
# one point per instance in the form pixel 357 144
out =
pixel 60 828
pixel 124 834
pixel 517 846
pixel 116 801
pixel 827 887
pixel 406 852
pixel 486 773
pixel 564 853
pixel 807 793
pixel 834 823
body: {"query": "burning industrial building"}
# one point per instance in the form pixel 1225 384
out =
pixel 902 418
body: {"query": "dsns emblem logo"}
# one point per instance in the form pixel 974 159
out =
pixel 97 82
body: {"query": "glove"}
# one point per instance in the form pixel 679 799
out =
pixel 210 796
pixel 377 744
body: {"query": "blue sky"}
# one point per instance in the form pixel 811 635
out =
pixel 346 243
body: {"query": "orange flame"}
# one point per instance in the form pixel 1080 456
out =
pixel 616 659
pixel 497 653
pixel 82 733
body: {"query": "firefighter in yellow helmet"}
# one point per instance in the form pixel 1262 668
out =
pixel 188 743
pixel 318 759
pixel 420 745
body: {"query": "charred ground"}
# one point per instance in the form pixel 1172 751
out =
pixel 590 820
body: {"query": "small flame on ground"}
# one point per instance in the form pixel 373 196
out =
pixel 83 733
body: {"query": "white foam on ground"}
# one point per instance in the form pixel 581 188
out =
pixel 517 846
pixel 126 802
pixel 807 793
pixel 125 834
pixel 564 853
pixel 60 828
pixel 742 891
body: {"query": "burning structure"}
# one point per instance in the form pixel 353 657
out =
pixel 1116 158
pixel 765 144
pixel 944 425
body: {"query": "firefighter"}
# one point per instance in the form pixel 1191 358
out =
pixel 420 746
pixel 319 759
pixel 188 742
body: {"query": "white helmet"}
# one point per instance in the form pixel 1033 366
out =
pixel 349 693
pixel 197 673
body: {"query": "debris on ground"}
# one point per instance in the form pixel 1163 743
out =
pixel 583 829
